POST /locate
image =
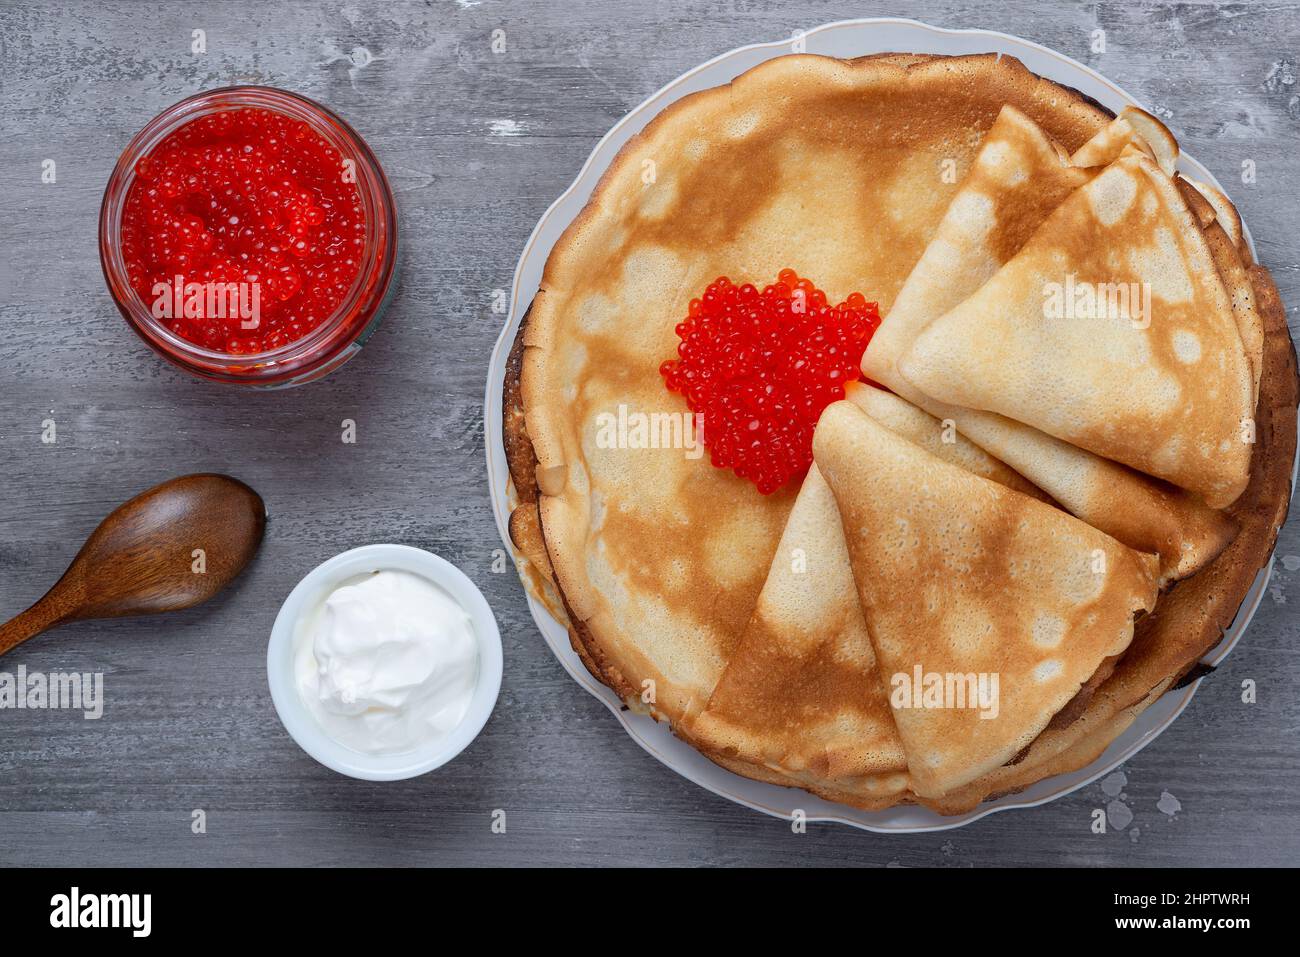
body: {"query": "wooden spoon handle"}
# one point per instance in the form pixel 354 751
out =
pixel 46 613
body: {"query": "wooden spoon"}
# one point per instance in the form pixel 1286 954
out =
pixel 171 547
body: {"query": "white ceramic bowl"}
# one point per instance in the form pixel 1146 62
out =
pixel 302 724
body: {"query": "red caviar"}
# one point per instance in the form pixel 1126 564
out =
pixel 761 367
pixel 252 197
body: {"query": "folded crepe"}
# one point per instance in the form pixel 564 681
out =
pixel 802 698
pixel 1133 127
pixel 1236 280
pixel 1017 180
pixel 1019 176
pixel 1193 616
pixel 1218 228
pixel 1227 216
pixel 802 694
pixel 936 437
pixel 1111 330
pixel 966 580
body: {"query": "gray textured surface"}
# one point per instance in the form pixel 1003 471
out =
pixel 189 722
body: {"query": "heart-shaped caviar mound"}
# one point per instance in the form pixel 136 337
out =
pixel 760 366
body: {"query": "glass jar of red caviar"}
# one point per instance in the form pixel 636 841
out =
pixel 249 235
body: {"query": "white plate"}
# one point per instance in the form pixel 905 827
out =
pixel 848 38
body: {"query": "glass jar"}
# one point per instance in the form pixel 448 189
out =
pixel 339 336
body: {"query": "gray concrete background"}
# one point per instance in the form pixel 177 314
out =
pixel 189 722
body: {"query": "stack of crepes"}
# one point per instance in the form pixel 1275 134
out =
pixel 1050 510
pixel 1037 475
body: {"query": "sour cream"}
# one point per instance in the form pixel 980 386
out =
pixel 386 662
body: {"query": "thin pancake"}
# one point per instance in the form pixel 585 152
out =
pixel 802 696
pixel 1237 281
pixel 872 793
pixel 1016 182
pixel 1166 393
pixel 1145 513
pixel 1017 179
pixel 902 418
pixel 961 576
pixel 1133 127
pixel 659 557
pixel 1227 216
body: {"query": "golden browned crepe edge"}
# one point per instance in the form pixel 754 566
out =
pixel 525 521
pixel 1236 279
pixel 875 793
